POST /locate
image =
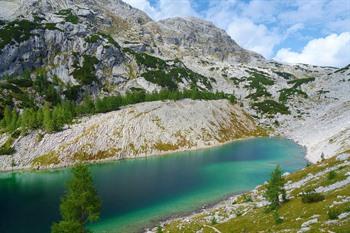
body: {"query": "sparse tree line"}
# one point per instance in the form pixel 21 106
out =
pixel 52 118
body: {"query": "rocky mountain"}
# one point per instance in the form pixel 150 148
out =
pixel 52 51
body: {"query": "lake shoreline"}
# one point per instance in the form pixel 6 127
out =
pixel 141 156
pixel 139 193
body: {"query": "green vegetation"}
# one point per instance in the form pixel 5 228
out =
pixel 342 70
pixel 69 16
pixel 86 73
pixel 52 118
pixel 284 75
pixel 46 159
pixel 258 81
pixel 16 31
pixel 270 107
pixel 6 148
pixel 286 93
pixel 335 211
pixel 109 39
pixel 149 61
pixel 291 215
pixel 20 30
pixel 80 205
pixel 331 175
pixel 92 38
pixel 301 81
pixel 47 118
pixel 311 196
pixel 274 189
pixel 51 26
pixel 168 76
pixel 161 78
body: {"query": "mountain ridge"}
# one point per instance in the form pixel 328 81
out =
pixel 112 48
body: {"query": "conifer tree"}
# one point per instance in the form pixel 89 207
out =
pixel 80 204
pixel 275 188
pixel 48 122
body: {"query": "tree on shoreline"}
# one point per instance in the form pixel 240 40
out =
pixel 80 204
pixel 275 188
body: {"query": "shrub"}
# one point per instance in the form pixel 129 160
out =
pixel 276 217
pixel 332 214
pixel 331 175
pixel 159 229
pixel 286 93
pixel 69 16
pixel 335 211
pixel 214 221
pixel 271 107
pixel 311 197
pixel 301 81
pixel 6 148
pixel 16 31
pixel 247 198
pixel 86 73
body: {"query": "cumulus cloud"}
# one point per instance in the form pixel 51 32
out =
pixel 266 26
pixel 255 37
pixel 332 50
pixel 164 8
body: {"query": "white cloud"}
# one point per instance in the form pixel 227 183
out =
pixel 333 50
pixel 255 37
pixel 143 5
pixel 164 8
pixel 264 26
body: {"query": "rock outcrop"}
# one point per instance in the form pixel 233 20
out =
pixel 124 50
pixel 140 130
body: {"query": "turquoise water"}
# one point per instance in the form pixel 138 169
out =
pixel 138 193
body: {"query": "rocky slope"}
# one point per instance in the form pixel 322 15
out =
pixel 139 130
pixel 247 212
pixel 102 48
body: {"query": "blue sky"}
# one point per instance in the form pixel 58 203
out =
pixel 306 31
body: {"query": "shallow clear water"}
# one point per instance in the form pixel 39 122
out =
pixel 138 193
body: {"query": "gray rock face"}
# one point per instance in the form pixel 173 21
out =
pixel 197 37
pixel 316 113
pixel 140 130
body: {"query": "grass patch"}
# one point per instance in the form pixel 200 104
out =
pixel 165 146
pixel 82 156
pixel 6 148
pixel 46 159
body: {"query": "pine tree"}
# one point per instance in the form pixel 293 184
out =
pixel 87 106
pixel 7 117
pixel 39 118
pixel 48 122
pixel 28 119
pixel 13 122
pixel 275 188
pixel 80 204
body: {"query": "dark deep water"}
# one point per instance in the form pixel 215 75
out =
pixel 140 192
